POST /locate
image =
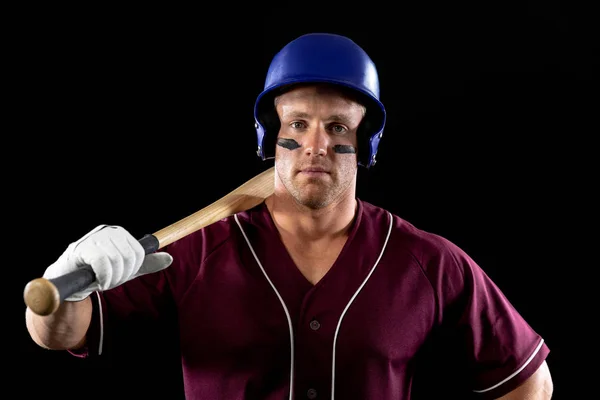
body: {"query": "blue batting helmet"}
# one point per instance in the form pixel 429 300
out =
pixel 322 58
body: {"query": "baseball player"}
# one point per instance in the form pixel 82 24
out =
pixel 314 293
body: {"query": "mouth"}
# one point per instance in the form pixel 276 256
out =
pixel 314 171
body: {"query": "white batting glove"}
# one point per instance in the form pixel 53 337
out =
pixel 115 256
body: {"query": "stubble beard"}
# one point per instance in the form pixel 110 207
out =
pixel 317 194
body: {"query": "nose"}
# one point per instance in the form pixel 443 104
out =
pixel 316 141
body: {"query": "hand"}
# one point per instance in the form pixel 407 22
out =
pixel 114 255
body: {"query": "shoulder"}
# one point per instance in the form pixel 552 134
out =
pixel 197 246
pixel 403 236
pixel 213 244
pixel 448 270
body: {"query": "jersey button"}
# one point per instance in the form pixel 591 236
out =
pixel 311 393
pixel 314 325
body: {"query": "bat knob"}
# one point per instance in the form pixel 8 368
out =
pixel 41 296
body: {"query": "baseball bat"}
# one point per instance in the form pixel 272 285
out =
pixel 44 296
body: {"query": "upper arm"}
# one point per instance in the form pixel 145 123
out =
pixel 538 386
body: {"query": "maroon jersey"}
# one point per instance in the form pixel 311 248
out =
pixel 250 326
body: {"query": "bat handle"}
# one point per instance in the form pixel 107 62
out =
pixel 44 296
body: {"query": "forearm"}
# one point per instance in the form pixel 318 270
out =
pixel 64 329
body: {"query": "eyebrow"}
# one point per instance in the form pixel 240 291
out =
pixel 340 118
pixel 335 117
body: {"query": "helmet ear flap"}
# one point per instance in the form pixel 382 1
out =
pixel 268 118
pixel 363 153
pixel 272 126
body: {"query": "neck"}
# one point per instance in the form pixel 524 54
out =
pixel 303 223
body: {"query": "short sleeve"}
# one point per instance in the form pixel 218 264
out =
pixel 494 346
pixel 143 311
pixel 121 312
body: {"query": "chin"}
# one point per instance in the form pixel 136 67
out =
pixel 313 198
pixel 314 203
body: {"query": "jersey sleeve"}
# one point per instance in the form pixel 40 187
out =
pixel 494 346
pixel 125 311
pixel 143 311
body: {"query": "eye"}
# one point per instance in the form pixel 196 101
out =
pixel 338 128
pixel 297 125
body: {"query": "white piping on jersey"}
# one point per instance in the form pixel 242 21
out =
pixel 101 341
pixel 526 363
pixel 343 313
pixel 287 314
pixel 352 299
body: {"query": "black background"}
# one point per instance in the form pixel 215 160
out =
pixel 140 116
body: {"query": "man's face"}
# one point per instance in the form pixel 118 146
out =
pixel 315 157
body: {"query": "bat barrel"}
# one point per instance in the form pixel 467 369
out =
pixel 44 296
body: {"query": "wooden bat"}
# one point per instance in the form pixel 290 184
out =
pixel 44 296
